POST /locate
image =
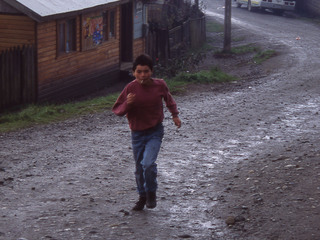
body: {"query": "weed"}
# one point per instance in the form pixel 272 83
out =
pixel 215 75
pixel 249 48
pixel 263 56
pixel 215 27
pixel 42 114
pixel 238 39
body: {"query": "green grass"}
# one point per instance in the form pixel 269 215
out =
pixel 205 48
pixel 260 57
pixel 215 27
pixel 238 39
pixel 43 114
pixel 249 48
pixel 215 75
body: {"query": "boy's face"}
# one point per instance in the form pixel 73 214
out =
pixel 143 74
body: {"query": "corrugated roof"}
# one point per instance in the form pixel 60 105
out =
pixel 46 8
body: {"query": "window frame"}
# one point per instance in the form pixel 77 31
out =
pixel 66 33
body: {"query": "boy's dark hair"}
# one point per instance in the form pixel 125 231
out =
pixel 143 60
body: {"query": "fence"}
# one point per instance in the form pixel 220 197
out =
pixel 166 44
pixel 17 77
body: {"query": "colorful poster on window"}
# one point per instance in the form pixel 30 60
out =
pixel 92 31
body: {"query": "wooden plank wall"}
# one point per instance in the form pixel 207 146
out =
pixel 57 74
pixel 17 77
pixel 16 30
pixel 197 32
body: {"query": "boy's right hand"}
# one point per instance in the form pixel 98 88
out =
pixel 130 98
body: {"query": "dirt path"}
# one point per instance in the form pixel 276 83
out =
pixel 247 153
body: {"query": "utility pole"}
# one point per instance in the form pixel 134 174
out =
pixel 227 27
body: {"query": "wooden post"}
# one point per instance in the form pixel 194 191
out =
pixel 227 27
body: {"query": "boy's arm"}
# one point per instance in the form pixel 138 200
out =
pixel 172 106
pixel 177 121
pixel 121 106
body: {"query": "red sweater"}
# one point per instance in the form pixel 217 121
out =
pixel 147 109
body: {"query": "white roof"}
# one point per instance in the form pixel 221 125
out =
pixel 52 7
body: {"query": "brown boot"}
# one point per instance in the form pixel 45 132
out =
pixel 151 200
pixel 140 204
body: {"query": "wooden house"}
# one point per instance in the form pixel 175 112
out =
pixel 78 46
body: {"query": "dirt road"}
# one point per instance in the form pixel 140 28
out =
pixel 248 152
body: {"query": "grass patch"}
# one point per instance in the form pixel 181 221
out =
pixel 43 114
pixel 260 57
pixel 239 39
pixel 206 47
pixel 215 75
pixel 249 48
pixel 215 27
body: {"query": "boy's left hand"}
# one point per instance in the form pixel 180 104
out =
pixel 177 121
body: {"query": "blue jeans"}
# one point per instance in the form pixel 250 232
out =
pixel 146 146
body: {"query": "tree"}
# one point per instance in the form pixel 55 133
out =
pixel 197 4
pixel 227 27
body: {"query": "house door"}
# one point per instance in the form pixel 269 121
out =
pixel 126 41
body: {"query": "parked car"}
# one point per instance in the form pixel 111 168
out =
pixel 277 6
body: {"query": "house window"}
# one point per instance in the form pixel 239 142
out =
pixel 98 28
pixel 109 25
pixel 66 36
pixel 112 24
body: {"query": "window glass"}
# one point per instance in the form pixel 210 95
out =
pixel 70 36
pixel 66 36
pixel 105 26
pixel 112 32
pixel 61 37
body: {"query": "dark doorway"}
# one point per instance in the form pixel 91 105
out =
pixel 126 32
